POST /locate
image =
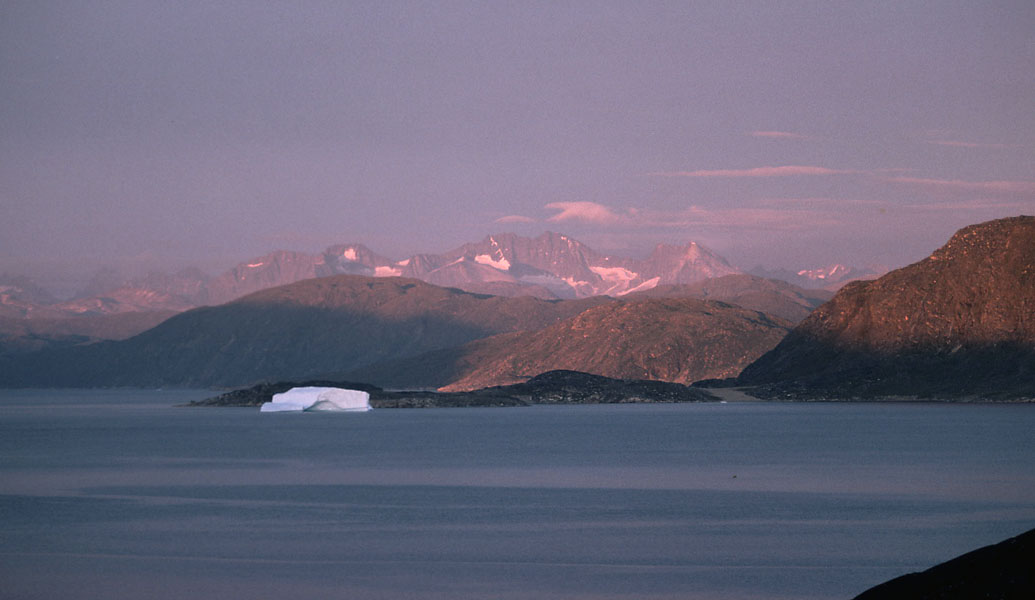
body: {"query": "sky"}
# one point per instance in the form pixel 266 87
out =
pixel 157 135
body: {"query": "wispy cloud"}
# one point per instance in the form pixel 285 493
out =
pixel 829 203
pixel 588 212
pixel 785 135
pixel 782 171
pixel 787 219
pixel 976 204
pixel 961 144
pixel 1000 187
pixel 515 219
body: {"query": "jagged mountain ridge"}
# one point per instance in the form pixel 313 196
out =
pixel 958 323
pixel 500 266
pixel 549 265
pixel 564 266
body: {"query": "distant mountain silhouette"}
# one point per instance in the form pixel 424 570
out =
pixel 958 323
pixel 18 336
pixel 832 277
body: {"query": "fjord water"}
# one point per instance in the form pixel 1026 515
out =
pixel 120 494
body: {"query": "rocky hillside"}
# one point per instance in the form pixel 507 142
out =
pixel 667 339
pixel 771 296
pixel 302 330
pixel 958 323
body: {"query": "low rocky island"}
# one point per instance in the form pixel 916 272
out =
pixel 553 387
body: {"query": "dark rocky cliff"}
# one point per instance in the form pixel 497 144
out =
pixel 1005 571
pixel 960 323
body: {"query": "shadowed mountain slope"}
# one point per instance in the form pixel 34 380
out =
pixel 668 339
pixel 29 335
pixel 958 323
pixel 296 331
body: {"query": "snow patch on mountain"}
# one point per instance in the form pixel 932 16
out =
pixel 582 289
pixel 616 279
pixel 387 272
pixel 646 285
pixel 500 263
pixel 829 273
pixel 614 274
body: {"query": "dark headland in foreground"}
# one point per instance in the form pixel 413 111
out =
pixel 553 387
pixel 958 325
pixel 1005 571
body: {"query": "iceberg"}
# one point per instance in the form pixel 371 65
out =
pixel 318 399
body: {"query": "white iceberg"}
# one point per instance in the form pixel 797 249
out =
pixel 318 399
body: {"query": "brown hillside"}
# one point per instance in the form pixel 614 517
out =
pixel 960 322
pixel 669 339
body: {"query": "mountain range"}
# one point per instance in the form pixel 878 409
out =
pixel 322 327
pixel 550 266
pixel 960 323
pixel 301 330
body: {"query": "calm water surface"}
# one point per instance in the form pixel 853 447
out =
pixel 119 494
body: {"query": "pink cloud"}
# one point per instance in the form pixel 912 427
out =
pixel 515 219
pixel 583 211
pixel 786 135
pixel 1001 187
pixel 783 171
